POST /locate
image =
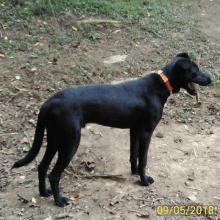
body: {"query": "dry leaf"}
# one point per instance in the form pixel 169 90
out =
pixel 24 140
pixel 75 197
pixel 72 199
pixel 33 200
pixel 74 28
pixel 117 31
pixel 192 198
pixel 143 215
pixel 32 121
pixel 49 218
pixel 17 77
pixel 75 44
pixel 23 177
pixel 54 61
pixel 33 69
pixel 116 200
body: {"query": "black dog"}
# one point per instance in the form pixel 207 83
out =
pixel 137 105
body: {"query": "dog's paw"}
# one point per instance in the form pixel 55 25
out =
pixel 46 193
pixel 62 202
pixel 147 181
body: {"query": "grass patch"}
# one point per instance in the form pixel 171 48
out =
pixel 184 113
pixel 30 29
pixel 160 14
pixel 140 18
pixel 215 76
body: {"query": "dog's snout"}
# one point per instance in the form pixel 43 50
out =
pixel 202 80
pixel 209 80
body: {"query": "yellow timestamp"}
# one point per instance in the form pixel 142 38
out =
pixel 185 210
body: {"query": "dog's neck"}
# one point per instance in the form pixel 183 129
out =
pixel 165 79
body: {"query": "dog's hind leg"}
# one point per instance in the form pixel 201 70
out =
pixel 66 150
pixel 134 150
pixel 44 165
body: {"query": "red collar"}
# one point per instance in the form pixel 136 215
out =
pixel 164 78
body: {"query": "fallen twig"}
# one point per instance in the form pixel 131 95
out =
pixel 8 134
pixel 19 172
pixel 186 152
pixel 195 153
pixel 22 198
pixel 98 21
pixel 194 188
pixel 114 177
pixel 142 199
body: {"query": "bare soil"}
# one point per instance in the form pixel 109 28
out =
pixel 183 157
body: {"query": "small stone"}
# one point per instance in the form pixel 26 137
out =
pixel 115 59
pixel 25 149
pixel 192 198
pixel 159 135
pixel 187 183
pixel 191 177
pixel 178 140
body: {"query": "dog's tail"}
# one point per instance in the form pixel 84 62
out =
pixel 39 134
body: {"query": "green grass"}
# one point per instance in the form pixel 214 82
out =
pixel 215 76
pixel 160 14
pixel 116 9
pixel 28 23
pixel 184 113
pixel 155 17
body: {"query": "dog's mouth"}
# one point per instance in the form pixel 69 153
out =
pixel 192 90
pixel 193 87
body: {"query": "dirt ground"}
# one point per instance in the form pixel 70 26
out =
pixel 183 157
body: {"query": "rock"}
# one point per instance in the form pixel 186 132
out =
pixel 191 177
pixel 192 198
pixel 178 140
pixel 25 149
pixel 115 59
pixel 159 135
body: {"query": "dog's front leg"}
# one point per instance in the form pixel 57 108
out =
pixel 144 141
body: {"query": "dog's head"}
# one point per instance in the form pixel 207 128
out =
pixel 183 72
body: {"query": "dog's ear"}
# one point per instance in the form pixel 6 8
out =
pixel 184 64
pixel 183 55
